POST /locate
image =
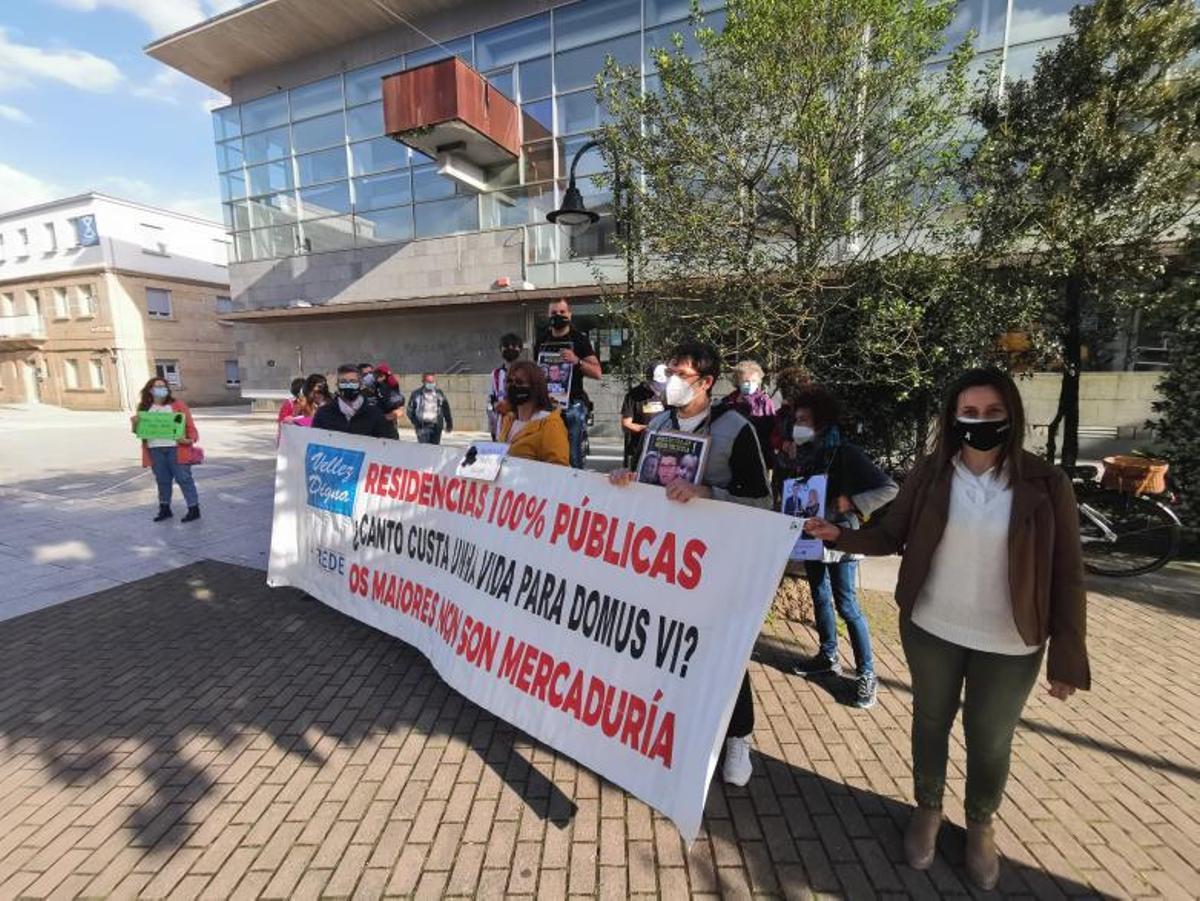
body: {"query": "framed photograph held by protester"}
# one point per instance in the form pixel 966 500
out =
pixel 558 377
pixel 804 499
pixel 667 456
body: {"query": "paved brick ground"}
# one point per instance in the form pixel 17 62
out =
pixel 195 734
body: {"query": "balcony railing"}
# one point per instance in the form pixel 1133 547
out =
pixel 27 325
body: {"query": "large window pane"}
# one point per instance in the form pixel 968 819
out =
pixel 427 184
pixel 267 112
pixel 365 121
pixel 242 247
pixel 233 186
pixel 541 112
pixel 270 177
pixel 535 78
pixel 589 164
pixel 580 112
pixel 658 11
pixel 373 192
pixel 460 48
pixel 365 84
pixel 518 206
pixel 327 165
pixel 538 160
pixel 325 200
pixel 227 122
pixel 378 155
pixel 328 234
pixel 503 81
pixel 384 226
pixel 314 134
pixel 985 17
pixel 445 217
pixel 523 39
pixel 266 145
pixel 270 243
pixel 320 97
pixel 578 68
pixel 229 155
pixel 237 214
pixel 595 20
pixel 274 209
pixel 1034 19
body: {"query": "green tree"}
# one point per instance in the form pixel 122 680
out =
pixel 788 198
pixel 1178 429
pixel 1087 171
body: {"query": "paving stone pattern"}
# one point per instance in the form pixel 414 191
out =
pixel 197 734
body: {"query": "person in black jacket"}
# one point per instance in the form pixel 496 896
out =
pixel 350 412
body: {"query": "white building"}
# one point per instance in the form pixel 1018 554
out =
pixel 97 294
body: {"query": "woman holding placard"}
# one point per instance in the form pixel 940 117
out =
pixel 991 581
pixel 169 448
pixel 534 428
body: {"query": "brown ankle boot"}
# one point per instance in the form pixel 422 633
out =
pixel 983 863
pixel 920 839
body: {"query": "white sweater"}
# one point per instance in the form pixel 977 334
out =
pixel 966 598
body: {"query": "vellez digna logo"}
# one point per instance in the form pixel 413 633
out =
pixel 332 477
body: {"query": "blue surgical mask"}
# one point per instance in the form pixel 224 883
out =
pixel 748 387
pixel 160 393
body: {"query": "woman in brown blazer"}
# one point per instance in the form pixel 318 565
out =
pixel 990 582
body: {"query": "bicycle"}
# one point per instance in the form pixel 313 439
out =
pixel 1123 533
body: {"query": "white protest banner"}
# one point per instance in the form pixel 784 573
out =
pixel 609 623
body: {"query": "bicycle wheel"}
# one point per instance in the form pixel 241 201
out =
pixel 1125 534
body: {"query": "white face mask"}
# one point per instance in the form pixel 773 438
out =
pixel 679 392
pixel 802 434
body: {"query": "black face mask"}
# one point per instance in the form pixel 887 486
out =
pixel 519 394
pixel 558 320
pixel 510 353
pixel 348 392
pixel 983 435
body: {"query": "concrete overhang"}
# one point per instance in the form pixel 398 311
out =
pixel 392 305
pixel 268 33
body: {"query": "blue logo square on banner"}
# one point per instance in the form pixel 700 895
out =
pixel 331 474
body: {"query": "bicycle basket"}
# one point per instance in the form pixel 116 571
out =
pixel 1135 475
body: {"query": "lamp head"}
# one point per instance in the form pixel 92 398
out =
pixel 573 212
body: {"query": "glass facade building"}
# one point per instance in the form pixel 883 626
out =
pixel 309 169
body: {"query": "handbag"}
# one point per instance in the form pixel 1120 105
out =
pixel 195 455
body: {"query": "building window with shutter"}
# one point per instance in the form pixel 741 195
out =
pixel 97 366
pixel 86 301
pixel 62 307
pixel 71 374
pixel 158 303
pixel 233 375
pixel 168 371
pixel 224 305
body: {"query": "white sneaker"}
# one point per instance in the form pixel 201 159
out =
pixel 737 769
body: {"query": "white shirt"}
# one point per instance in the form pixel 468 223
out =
pixel 966 598
pixel 161 442
pixel 693 422
pixel 518 424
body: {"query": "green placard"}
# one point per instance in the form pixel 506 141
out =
pixel 160 426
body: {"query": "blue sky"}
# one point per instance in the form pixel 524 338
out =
pixel 83 108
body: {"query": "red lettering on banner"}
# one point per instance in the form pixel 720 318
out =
pixel 372 475
pixel 620 714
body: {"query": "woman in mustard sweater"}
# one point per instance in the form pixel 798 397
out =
pixel 532 427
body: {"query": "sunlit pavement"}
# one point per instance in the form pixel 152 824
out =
pixel 180 730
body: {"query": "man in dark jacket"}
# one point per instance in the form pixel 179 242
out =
pixel 429 411
pixel 350 412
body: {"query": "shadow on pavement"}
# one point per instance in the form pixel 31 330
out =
pixel 176 679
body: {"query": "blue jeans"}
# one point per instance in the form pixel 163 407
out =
pixel 575 416
pixel 834 583
pixel 429 434
pixel 167 469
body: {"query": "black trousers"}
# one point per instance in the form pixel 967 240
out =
pixel 742 722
